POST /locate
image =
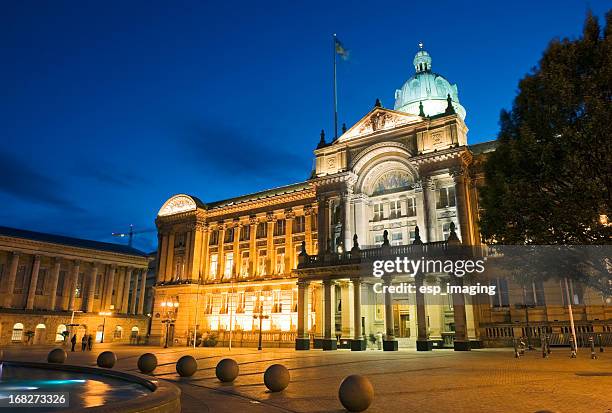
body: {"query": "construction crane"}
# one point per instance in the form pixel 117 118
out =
pixel 130 234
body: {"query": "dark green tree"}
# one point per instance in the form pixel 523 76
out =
pixel 548 182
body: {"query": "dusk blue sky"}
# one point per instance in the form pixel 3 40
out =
pixel 109 108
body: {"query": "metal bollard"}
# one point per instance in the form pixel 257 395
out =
pixel 572 347
pixel 601 346
pixel 516 351
pixel 592 342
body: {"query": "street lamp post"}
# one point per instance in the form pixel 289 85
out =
pixel 104 314
pixel 169 308
pixel 261 316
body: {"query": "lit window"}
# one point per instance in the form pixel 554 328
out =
pixel 79 286
pixel 262 230
pixel 245 233
pixel 229 264
pixel 208 306
pixel 378 238
pixel 395 210
pixel 397 238
pixel 214 264
pixel 224 304
pixel 280 261
pixel 229 235
pixel 299 224
pixel 214 237
pixel 279 227
pixel 261 263
pixel 277 304
pixel 240 302
pixel 244 264
pixel 17 332
pixel 411 207
pixel 446 230
pixel 445 197
pixel 378 212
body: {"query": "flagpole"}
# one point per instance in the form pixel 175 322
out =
pixel 335 93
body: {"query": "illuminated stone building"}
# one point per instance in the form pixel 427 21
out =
pixel 51 284
pixel 284 258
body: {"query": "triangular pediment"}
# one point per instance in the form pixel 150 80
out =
pixel 377 120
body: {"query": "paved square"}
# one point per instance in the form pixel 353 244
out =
pixel 488 380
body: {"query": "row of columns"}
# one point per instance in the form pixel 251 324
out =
pixel 137 303
pixel 358 342
pixel 197 251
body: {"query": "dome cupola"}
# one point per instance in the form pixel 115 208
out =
pixel 427 92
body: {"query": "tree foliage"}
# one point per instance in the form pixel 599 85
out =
pixel 548 182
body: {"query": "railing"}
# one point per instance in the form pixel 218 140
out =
pixel 270 338
pixel 414 251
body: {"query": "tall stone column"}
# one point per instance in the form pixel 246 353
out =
pixel 33 282
pixel 358 343
pixel 204 254
pixel 289 250
pixel 91 290
pixel 271 220
pixel 423 342
pixel 119 291
pixel 347 220
pixel 322 227
pixel 134 295
pixel 143 286
pixel 221 253
pixel 308 229
pixel 185 273
pixel 126 290
pixel 163 252
pixel 53 287
pixel 10 283
pixel 461 343
pixel 170 258
pixel 429 206
pixel 252 246
pixel 329 341
pixel 73 281
pixel 236 250
pixel 389 341
pixel 302 342
pixel 110 283
pixel 462 207
pixel 195 271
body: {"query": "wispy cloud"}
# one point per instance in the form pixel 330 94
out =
pixel 108 173
pixel 235 152
pixel 20 180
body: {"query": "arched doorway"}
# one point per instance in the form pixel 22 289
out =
pixel 134 335
pixel 59 333
pixel 40 334
pixel 118 334
pixel 17 335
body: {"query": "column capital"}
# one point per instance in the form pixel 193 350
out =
pixel 270 217
pixel 308 209
pixel 303 283
pixel 289 214
pixel 252 220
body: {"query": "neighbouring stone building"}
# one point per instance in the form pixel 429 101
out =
pixel 285 266
pixel 52 284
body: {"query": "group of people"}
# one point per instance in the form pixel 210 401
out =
pixel 86 342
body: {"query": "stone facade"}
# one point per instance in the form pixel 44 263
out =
pixel 278 264
pixel 49 282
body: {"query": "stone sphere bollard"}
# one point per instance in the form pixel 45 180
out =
pixel 356 393
pixel 227 370
pixel 186 366
pixel 107 359
pixel 57 355
pixel 147 363
pixel 276 377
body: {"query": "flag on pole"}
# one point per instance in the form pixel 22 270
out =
pixel 341 50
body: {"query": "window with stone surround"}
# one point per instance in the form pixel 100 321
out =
pixel 19 280
pixel 240 303
pixel 229 265
pixel 445 197
pixel 299 224
pixel 214 237
pixel 262 230
pixel 244 264
pixel 395 209
pixel 245 233
pixel 279 227
pixel 214 264
pixel 261 262
pixel 229 236
pixel 411 207
pixel 280 261
pixel 378 211
pixel 79 286
pixel 98 289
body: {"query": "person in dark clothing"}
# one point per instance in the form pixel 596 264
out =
pixel 73 341
pixel 84 342
pixel 89 342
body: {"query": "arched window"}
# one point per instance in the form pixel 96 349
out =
pixel 59 336
pixel 118 332
pixel 135 331
pixel 17 332
pixel 41 326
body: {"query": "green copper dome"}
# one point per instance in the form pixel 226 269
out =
pixel 427 88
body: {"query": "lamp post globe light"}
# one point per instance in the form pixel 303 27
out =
pixel 169 311
pixel 104 314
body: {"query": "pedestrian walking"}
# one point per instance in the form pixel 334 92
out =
pixel 89 342
pixel 73 341
pixel 84 342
